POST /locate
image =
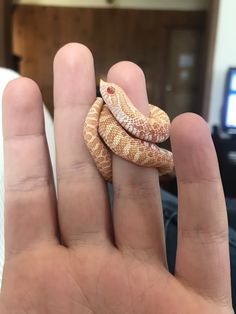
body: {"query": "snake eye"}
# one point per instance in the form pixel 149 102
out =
pixel 110 90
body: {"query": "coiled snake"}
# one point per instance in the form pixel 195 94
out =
pixel 114 124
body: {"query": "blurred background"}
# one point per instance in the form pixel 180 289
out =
pixel 185 48
pixel 168 39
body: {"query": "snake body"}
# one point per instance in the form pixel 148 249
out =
pixel 114 124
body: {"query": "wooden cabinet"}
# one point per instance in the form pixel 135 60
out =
pixel 141 36
pixel 184 70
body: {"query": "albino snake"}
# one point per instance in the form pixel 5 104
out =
pixel 113 123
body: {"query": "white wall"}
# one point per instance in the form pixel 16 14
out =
pixel 224 57
pixel 137 4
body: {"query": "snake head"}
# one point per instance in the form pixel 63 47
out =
pixel 109 92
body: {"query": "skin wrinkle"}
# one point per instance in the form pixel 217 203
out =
pixel 27 297
pixel 14 253
pixel 81 240
pixel 205 296
pixel 149 277
pixel 145 255
pixel 144 189
pixel 26 137
pixel 72 105
pixel 130 292
pixel 73 278
pixel 147 290
pixel 203 236
pixel 126 279
pixel 213 248
pixel 29 184
pixel 188 180
pixel 81 304
pixel 214 201
pixel 104 268
pixel 79 168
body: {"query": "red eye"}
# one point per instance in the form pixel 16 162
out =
pixel 110 90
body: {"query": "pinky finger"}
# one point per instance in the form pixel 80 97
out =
pixel 30 201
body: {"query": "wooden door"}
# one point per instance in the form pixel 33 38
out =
pixel 183 72
pixel 6 57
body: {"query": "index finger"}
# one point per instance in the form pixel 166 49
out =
pixel 202 260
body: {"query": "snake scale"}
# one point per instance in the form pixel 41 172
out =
pixel 113 124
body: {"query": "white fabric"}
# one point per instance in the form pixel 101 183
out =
pixel 7 75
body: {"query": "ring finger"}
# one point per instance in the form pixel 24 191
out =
pixel 83 206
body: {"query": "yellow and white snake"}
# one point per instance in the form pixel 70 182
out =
pixel 114 124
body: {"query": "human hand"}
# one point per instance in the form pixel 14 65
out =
pixel 68 255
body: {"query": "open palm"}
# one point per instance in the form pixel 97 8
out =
pixel 70 253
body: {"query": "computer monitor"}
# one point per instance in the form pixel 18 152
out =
pixel 229 103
